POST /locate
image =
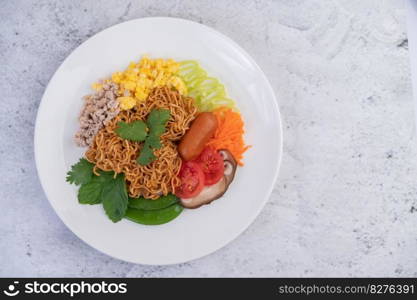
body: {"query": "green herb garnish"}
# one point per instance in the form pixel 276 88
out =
pixel 156 122
pixel 150 132
pixel 114 198
pixel 135 131
pixel 81 172
pixel 90 193
pixel 146 155
pixel 106 189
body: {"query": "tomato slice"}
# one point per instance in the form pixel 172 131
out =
pixel 212 164
pixel 192 180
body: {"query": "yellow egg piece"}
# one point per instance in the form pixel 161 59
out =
pixel 141 95
pixel 126 103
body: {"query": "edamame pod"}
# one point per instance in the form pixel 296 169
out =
pixel 154 217
pixel 148 204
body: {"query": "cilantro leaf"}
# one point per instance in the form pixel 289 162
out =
pixel 158 116
pixel 81 172
pixel 146 155
pixel 114 198
pixel 157 120
pixel 135 131
pixel 153 141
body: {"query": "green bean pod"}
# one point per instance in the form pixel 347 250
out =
pixel 148 204
pixel 154 217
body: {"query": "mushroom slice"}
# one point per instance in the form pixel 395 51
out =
pixel 215 191
pixel 230 165
pixel 207 195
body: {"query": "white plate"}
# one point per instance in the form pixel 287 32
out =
pixel 194 233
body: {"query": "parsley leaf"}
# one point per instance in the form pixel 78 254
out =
pixel 135 131
pixel 81 172
pixel 114 198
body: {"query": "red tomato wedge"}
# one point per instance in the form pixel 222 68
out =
pixel 192 180
pixel 212 164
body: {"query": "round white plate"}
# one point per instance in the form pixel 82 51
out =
pixel 194 233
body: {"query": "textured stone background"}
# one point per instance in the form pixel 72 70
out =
pixel 345 203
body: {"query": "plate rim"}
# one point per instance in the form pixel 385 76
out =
pixel 41 110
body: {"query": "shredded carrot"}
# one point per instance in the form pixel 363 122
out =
pixel 229 133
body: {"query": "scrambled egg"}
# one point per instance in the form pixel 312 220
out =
pixel 137 81
pixel 126 102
